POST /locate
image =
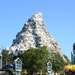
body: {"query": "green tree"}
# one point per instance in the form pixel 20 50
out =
pixel 57 61
pixel 35 59
pixel 68 61
pixel 5 57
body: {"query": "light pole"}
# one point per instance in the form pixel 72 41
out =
pixel 18 66
pixel 49 68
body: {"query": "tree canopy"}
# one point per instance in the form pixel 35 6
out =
pixel 35 59
pixel 5 57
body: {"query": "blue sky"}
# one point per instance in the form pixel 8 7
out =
pixel 59 16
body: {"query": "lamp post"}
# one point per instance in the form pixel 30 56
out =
pixel 18 66
pixel 49 68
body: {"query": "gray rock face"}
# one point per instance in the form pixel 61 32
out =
pixel 34 34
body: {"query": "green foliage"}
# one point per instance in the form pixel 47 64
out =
pixel 57 61
pixel 35 59
pixel 68 61
pixel 5 57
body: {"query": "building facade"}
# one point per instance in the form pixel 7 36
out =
pixel 73 55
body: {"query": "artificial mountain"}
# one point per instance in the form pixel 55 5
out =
pixel 34 34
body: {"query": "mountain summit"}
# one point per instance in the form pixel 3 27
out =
pixel 34 34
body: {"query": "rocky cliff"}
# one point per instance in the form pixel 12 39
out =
pixel 34 34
